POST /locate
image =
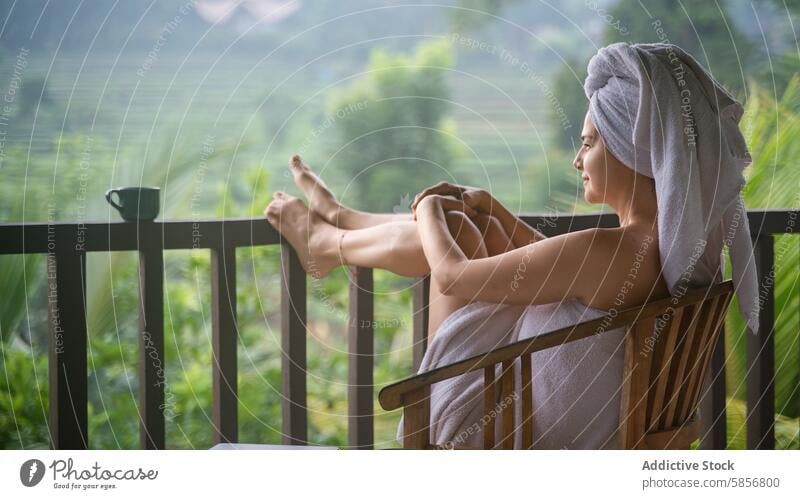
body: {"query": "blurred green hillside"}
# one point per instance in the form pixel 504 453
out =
pixel 382 100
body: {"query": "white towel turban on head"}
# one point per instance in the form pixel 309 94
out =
pixel 663 115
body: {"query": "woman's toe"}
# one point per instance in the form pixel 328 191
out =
pixel 271 211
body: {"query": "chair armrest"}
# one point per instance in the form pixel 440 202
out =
pixel 391 396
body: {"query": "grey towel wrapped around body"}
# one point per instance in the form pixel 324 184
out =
pixel 576 389
pixel 663 115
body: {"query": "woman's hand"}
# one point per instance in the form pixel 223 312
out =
pixel 520 233
pixel 478 199
pixel 443 203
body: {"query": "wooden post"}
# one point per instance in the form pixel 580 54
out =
pixel 361 345
pixel 712 406
pixel 66 279
pixel 152 364
pixel 224 339
pixel 761 354
pixel 421 292
pixel 293 345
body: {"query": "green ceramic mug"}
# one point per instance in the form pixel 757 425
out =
pixel 135 203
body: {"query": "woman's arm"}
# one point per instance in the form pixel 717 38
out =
pixel 574 265
pixel 520 233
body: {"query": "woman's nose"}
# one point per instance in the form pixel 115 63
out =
pixel 576 161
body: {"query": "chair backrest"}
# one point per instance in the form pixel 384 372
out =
pixel 668 348
pixel 666 360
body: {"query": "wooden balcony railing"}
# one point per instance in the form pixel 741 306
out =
pixel 66 245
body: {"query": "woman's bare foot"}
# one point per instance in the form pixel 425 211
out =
pixel 311 237
pixel 319 196
pixel 322 201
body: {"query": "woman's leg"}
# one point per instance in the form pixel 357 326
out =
pixel 394 246
pixel 324 202
pixel 391 241
pixel 440 306
pixel 493 234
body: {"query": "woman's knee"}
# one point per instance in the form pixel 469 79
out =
pixel 467 235
pixel 494 235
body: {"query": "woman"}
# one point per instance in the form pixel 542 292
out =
pixel 495 280
pixel 469 235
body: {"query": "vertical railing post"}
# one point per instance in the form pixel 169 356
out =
pixel 421 292
pixel 152 364
pixel 714 427
pixel 761 354
pixel 361 347
pixel 67 373
pixel 224 336
pixel 293 346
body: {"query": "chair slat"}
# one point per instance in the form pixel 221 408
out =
pixel 709 311
pixel 417 418
pixel 507 404
pixel 665 348
pixel 527 402
pixel 488 405
pixel 635 384
pixel 716 326
pixel 677 438
pixel 678 374
pixel 701 344
pixel 719 329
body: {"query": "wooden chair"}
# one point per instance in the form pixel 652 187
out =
pixel 668 349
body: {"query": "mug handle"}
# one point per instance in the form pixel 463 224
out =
pixel 110 201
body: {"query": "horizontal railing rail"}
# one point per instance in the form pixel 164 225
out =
pixel 65 245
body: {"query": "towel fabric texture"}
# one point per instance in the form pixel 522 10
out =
pixel 576 387
pixel 662 114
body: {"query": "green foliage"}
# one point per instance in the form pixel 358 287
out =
pixel 771 128
pixel 475 14
pixel 392 137
pixel 393 133
pixel 567 85
pixel 694 28
pixel 112 322
pixel 18 273
pixel 786 428
pixel 23 412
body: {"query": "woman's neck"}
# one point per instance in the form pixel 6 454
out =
pixel 638 207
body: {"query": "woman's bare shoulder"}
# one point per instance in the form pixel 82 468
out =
pixel 626 268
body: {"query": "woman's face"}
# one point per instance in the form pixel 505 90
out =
pixel 597 165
